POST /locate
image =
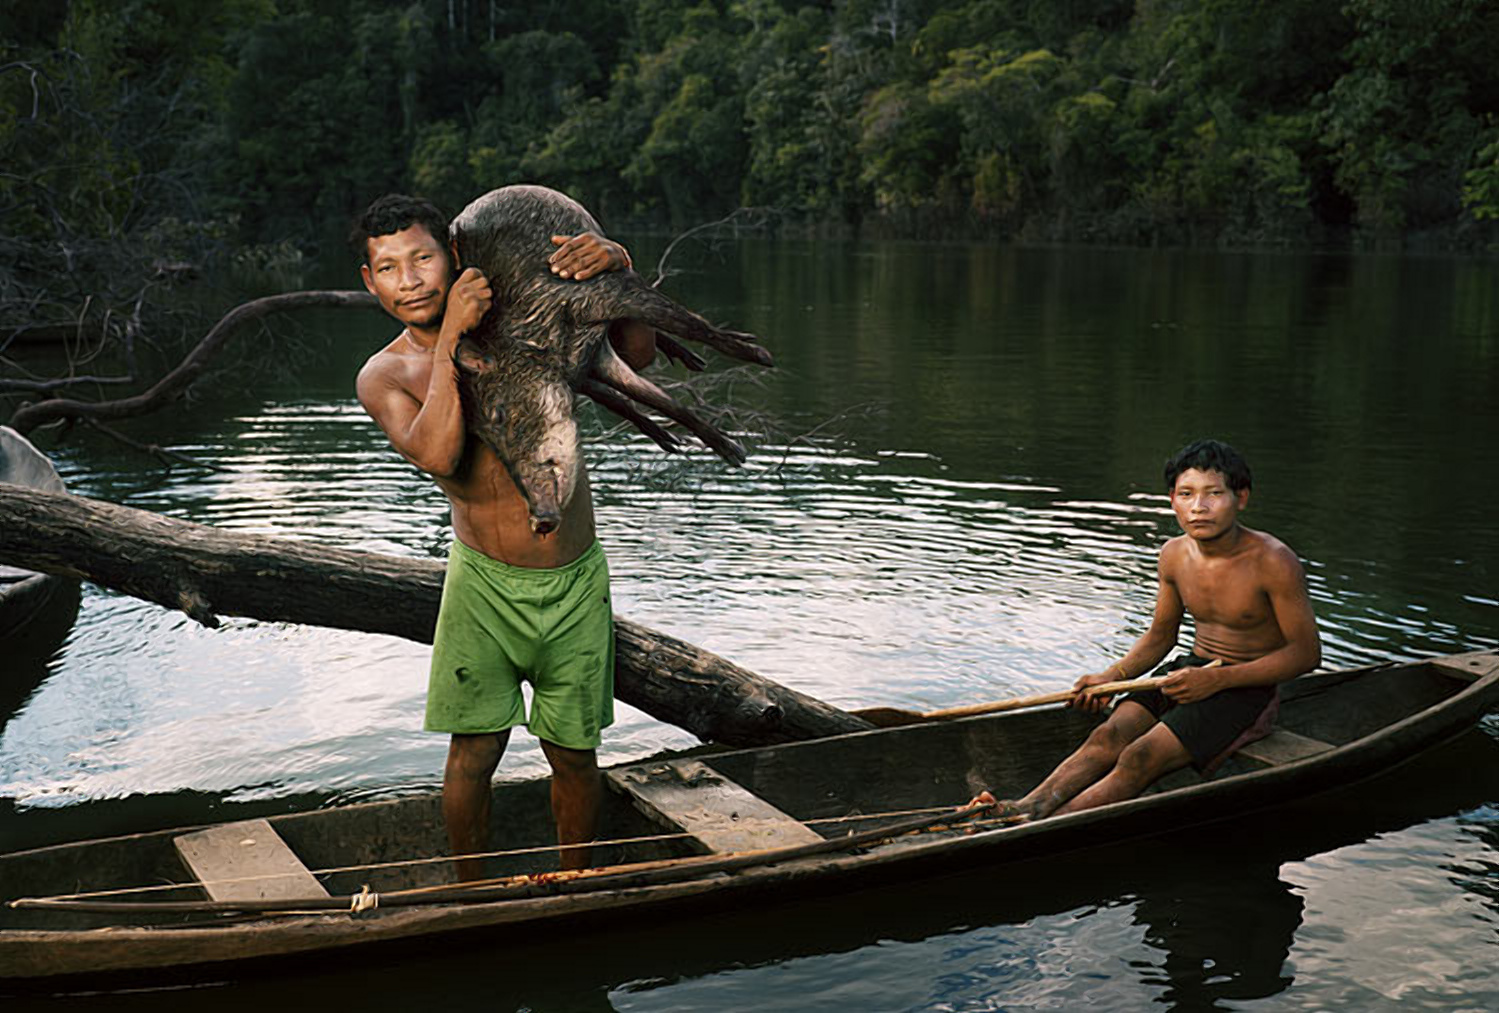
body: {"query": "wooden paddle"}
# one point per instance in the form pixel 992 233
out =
pixel 892 717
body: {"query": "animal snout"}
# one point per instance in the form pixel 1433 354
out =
pixel 545 522
pixel 544 494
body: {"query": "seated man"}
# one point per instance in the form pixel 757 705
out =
pixel 1247 593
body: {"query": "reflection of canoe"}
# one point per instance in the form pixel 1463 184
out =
pixel 757 824
pixel 36 609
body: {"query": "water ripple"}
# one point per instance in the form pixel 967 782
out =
pixel 1362 900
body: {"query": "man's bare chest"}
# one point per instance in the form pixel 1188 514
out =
pixel 1226 596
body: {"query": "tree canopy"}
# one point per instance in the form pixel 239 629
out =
pixel 1107 120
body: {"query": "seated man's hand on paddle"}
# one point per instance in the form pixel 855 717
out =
pixel 583 256
pixel 1189 685
pixel 1092 703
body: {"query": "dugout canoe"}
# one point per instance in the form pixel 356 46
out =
pixel 36 609
pixel 708 827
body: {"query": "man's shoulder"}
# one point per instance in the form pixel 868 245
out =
pixel 1174 548
pixel 1272 552
pixel 385 365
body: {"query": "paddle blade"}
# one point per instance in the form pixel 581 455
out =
pixel 890 717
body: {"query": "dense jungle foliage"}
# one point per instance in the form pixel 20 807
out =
pixel 169 129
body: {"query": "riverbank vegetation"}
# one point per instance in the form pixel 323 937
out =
pixel 142 139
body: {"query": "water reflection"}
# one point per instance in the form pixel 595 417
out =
pixel 1224 929
pixel 1366 897
pixel 24 672
pixel 860 578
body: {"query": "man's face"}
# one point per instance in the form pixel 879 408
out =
pixel 1205 507
pixel 409 272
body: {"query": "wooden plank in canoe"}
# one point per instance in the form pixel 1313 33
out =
pixel 1281 746
pixel 721 815
pixel 246 861
pixel 1472 666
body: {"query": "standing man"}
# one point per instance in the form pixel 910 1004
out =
pixel 516 605
pixel 1247 593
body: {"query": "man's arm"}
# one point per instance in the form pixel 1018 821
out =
pixel 582 256
pixel 1285 584
pixel 1153 645
pixel 429 433
pixel 588 254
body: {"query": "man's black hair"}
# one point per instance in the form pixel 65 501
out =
pixel 1210 455
pixel 392 213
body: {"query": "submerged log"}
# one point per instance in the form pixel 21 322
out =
pixel 207 572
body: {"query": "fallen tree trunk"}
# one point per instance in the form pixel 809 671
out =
pixel 206 572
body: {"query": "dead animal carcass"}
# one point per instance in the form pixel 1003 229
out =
pixel 546 339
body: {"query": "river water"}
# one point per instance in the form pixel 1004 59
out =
pixel 953 496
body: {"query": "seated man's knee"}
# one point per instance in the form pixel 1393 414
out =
pixel 1108 735
pixel 1113 736
pixel 1143 760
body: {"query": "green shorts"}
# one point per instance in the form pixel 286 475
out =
pixel 499 624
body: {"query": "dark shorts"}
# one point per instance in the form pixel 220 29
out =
pixel 1208 727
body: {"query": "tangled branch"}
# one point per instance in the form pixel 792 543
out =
pixel 176 383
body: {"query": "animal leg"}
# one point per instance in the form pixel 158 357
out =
pixel 612 370
pixel 625 409
pixel 647 304
pixel 678 352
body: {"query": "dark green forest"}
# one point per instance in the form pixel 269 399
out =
pixel 173 132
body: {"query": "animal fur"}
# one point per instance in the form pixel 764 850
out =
pixel 545 339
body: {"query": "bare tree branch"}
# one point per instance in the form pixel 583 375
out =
pixel 43 386
pixel 805 438
pixel 162 454
pixel 739 218
pixel 175 383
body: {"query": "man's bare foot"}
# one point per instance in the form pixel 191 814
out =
pixel 1006 809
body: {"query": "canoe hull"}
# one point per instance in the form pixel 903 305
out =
pixel 821 779
pixel 36 609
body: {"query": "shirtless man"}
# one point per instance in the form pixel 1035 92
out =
pixel 1247 593
pixel 504 581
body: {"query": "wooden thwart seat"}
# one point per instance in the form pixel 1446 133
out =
pixel 246 861
pixel 720 815
pixel 1281 746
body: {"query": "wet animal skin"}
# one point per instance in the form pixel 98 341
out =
pixel 545 340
